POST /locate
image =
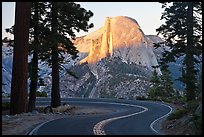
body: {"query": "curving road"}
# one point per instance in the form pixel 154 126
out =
pixel 129 117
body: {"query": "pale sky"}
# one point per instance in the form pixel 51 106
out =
pixel 147 14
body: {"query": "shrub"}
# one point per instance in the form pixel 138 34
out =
pixel 198 124
pixel 192 105
pixel 165 99
pixel 141 98
pixel 5 105
pixel 178 114
pixel 41 94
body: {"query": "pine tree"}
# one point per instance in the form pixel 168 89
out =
pixel 36 36
pixel 19 90
pixel 183 35
pixel 38 10
pixel 155 90
pixel 167 83
pixel 50 40
pixel 62 20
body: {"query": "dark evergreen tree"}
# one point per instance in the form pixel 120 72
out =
pixel 62 19
pixel 161 87
pixel 19 90
pixel 155 90
pixel 37 24
pixel 36 36
pixel 51 23
pixel 182 31
pixel 166 82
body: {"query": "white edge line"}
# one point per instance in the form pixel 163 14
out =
pixel 152 124
pixel 145 109
pixel 36 128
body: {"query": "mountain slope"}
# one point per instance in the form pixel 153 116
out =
pixel 120 37
pixel 114 61
pixel 120 57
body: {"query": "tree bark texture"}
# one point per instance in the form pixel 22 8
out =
pixel 33 82
pixel 34 63
pixel 19 87
pixel 55 94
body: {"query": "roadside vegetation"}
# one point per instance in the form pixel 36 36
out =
pixel 41 94
pixel 186 43
pixel 5 105
pixel 187 114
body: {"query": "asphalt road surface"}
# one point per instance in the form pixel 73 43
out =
pixel 129 117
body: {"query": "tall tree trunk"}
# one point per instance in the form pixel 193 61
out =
pixel 33 83
pixel 34 63
pixel 19 87
pixel 55 95
pixel 190 75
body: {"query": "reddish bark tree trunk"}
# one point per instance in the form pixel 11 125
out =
pixel 19 87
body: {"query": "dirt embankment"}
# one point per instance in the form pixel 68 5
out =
pixel 181 126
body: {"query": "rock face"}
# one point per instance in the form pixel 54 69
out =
pixel 7 60
pixel 114 62
pixel 121 37
pixel 117 63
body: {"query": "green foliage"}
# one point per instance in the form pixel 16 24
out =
pixel 190 108
pixel 166 99
pixel 167 83
pixel 41 94
pixel 182 99
pixel 182 32
pixel 5 105
pixel 141 98
pixel 155 91
pixel 192 105
pixel 198 124
pixel 178 114
pixel 155 79
pixel 162 86
pixel 63 19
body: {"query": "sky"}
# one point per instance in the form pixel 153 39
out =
pixel 147 14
